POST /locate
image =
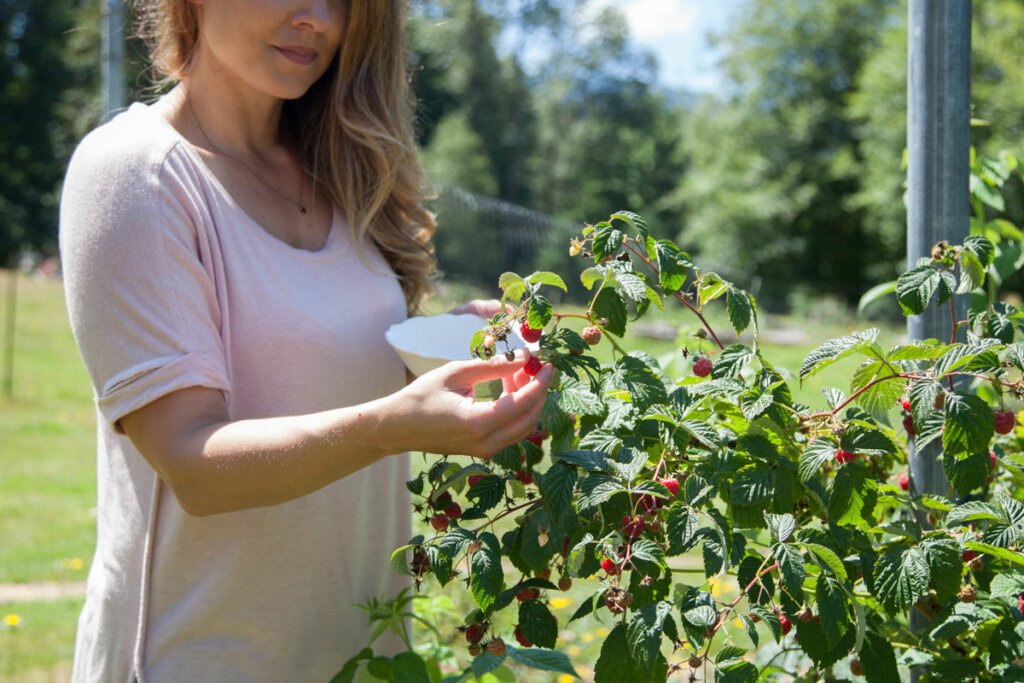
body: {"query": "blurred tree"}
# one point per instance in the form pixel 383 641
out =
pixel 48 98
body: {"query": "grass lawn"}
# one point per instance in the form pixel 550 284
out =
pixel 47 468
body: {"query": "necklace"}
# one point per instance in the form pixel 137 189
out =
pixel 300 205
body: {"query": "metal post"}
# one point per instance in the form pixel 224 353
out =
pixel 938 196
pixel 113 57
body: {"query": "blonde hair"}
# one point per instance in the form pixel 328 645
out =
pixel 352 128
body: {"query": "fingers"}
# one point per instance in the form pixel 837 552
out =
pixel 498 367
pixel 485 308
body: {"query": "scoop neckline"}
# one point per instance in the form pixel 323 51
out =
pixel 331 243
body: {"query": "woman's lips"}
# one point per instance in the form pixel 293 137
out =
pixel 297 53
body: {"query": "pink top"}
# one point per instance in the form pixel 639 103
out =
pixel 171 285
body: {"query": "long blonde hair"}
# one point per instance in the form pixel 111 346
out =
pixel 353 128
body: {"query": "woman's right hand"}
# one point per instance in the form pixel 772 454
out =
pixel 437 413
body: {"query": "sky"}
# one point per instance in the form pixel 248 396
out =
pixel 675 30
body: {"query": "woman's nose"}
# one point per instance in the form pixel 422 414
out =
pixel 314 14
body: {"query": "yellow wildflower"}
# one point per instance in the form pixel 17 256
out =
pixel 560 602
pixel 12 620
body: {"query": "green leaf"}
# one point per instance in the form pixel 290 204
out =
pixel 866 439
pixel 644 387
pixel 878 660
pixel 556 485
pixel 781 526
pixel 644 633
pixel 646 551
pixel 945 564
pixel 972 273
pixel 828 559
pixel 970 424
pixel 731 361
pixel 914 288
pixel 540 312
pixel 632 220
pixel 1007 584
pixel 486 575
pixel 741 308
pixel 997 552
pixel 791 567
pixel 607 241
pixel 875 293
pixel 593 275
pixel 882 396
pixel 609 305
pixel 487 492
pixel 973 511
pixel 409 666
pixel 485 662
pixel 852 498
pixel 681 529
pixel 592 461
pixel 543 660
pixel 382 668
pixel 817 453
pixel 901 577
pixel 632 287
pixel 538 623
pixel 835 349
pixel 967 473
pixel 575 398
pixel 614 664
pixel 672 271
pixel 981 247
pixel 922 399
pixel 832 608
pixel 348 671
pixel 513 285
pixel 736 672
pixel 546 278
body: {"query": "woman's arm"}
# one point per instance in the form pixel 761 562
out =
pixel 216 465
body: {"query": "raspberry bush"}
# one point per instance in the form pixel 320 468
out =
pixel 810 509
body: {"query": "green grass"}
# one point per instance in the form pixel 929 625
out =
pixel 41 647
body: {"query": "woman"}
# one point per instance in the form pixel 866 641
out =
pixel 233 254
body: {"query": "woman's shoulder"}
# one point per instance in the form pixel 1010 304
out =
pixel 134 144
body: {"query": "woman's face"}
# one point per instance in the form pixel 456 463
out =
pixel 275 47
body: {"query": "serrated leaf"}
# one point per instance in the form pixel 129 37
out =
pixel 672 272
pixel 681 529
pixel 409 666
pixel 1007 584
pixel 592 461
pixel 864 438
pixel 967 473
pixel 540 312
pixel 969 424
pixel 995 551
pixel 644 633
pixel 596 489
pixel 609 305
pixel 852 497
pixel 972 273
pixel 632 220
pixel 731 361
pixel 711 288
pixel 644 387
pixel 817 453
pixel 615 664
pixel 740 306
pixel 485 662
pixel 915 287
pixel 882 396
pixel 781 526
pixel 556 486
pixel 834 350
pixel 922 399
pixel 513 285
pixel 546 278
pixel 832 608
pixel 875 293
pixel 736 672
pixel 981 247
pixel 973 511
pixel 945 565
pixel 486 575
pixel 647 551
pixel 632 287
pixel 538 623
pixel 878 660
pixel 901 577
pixel 575 398
pixel 829 559
pixel 542 660
pixel 607 241
pixel 791 567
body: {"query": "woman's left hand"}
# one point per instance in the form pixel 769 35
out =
pixel 485 308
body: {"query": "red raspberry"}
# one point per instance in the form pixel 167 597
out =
pixel 845 456
pixel 565 546
pixel 908 424
pixel 609 567
pixel 521 639
pixel 564 583
pixel 905 403
pixel 439 522
pixel 905 481
pixel 805 614
pixel 475 649
pixel 442 501
pixel 529 334
pixel 702 367
pixel 532 366
pixel 453 511
pixel 786 625
pixel 632 526
pixel 544 573
pixel 1005 421
pixel 855 668
pixel 528 594
pixel 474 478
pixel 992 457
pixel 649 504
pixel 1020 602
pixel 969 555
pixel 475 633
pixel 968 594
pixel 672 484
pixel 537 438
pixel 496 647
pixel 525 477
pixel 591 334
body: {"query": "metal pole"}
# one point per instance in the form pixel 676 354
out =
pixel 113 57
pixel 938 196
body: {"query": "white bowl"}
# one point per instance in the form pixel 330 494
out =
pixel 428 342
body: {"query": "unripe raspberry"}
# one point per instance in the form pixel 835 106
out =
pixel 533 366
pixel 855 668
pixel 845 456
pixel 1004 422
pixel 529 334
pixel 805 614
pixel 544 573
pixel 591 334
pixel 671 483
pixel 453 511
pixel 442 501
pixel 475 649
pixel 564 583
pixel 695 662
pixel 992 457
pixel 488 341
pixel 977 564
pixel 905 404
pixel 786 625
pixel 496 647
pixel 702 367
pixel 632 526
pixel 574 249
pixel 908 424
pixel 968 594
pixel 905 481
pixel 649 504
pixel 521 639
pixel 528 594
pixel 439 522
pixel 475 633
pixel 609 567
